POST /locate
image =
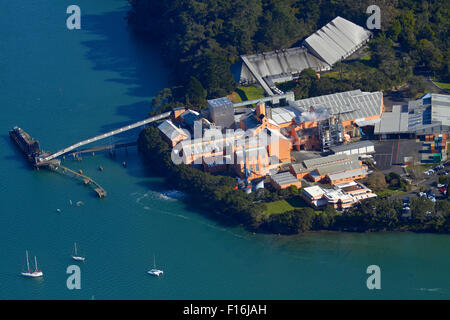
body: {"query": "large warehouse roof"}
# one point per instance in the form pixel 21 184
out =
pixel 347 174
pixel 351 105
pixel 440 108
pixel 337 40
pixel 320 161
pixel 347 165
pixel 429 114
pixel 395 121
pixel 291 61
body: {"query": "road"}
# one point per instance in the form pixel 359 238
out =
pixel 428 183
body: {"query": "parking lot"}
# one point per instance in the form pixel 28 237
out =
pixel 429 185
pixel 388 153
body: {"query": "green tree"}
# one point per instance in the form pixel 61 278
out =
pixel 195 94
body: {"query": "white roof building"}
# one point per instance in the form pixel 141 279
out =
pixel 337 40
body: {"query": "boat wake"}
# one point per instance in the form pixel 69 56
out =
pixel 430 289
pixel 171 195
pixel 174 195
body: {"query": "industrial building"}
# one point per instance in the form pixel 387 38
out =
pixel 321 122
pixel 268 68
pixel 171 133
pixel 337 40
pixel 284 180
pixel 342 196
pixel 320 51
pixel 334 169
pixel 221 112
pixel 429 115
pixel 360 148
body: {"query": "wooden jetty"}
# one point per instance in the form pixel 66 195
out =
pixel 101 193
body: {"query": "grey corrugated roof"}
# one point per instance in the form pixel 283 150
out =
pixel 339 167
pixel 285 61
pixel 411 117
pixel 347 174
pixel 219 102
pixel 337 40
pixel 351 146
pixel 170 130
pixel 351 105
pixel 311 163
pixel 284 114
pixel 440 106
pixel 284 178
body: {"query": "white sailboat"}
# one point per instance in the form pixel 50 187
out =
pixel 154 271
pixel 32 273
pixel 76 256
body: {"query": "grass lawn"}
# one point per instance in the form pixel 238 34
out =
pixel 250 93
pixel 281 206
pixel 388 193
pixel 278 207
pixel 442 85
pixel 331 74
pixel 366 57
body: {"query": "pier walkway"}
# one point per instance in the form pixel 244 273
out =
pixel 103 148
pixel 87 180
pixel 106 135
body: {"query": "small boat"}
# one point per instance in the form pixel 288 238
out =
pixel 154 271
pixel 32 273
pixel 76 256
pixel 58 210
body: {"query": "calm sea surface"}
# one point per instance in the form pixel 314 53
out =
pixel 63 86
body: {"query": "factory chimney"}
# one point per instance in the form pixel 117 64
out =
pixel 260 109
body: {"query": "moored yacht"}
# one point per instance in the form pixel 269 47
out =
pixel 154 271
pixel 32 273
pixel 76 256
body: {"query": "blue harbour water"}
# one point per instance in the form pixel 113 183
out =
pixel 63 86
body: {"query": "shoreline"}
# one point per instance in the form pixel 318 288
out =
pixel 155 151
